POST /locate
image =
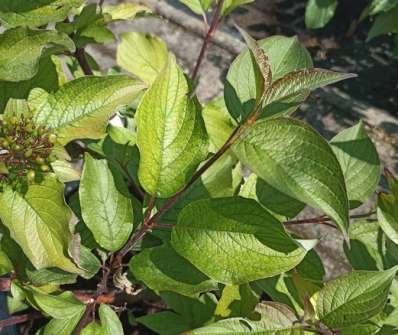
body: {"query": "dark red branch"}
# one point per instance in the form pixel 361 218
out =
pixel 209 35
pixel 80 55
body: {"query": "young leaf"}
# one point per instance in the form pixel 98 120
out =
pixel 110 321
pixel 171 135
pixel 387 213
pixel 143 55
pixel 318 13
pixel 22 48
pixel 162 269
pixel 234 240
pixel 39 223
pixel 297 161
pixel 284 55
pixel 14 13
pixel 82 107
pixel 105 204
pixel 359 161
pixel 303 81
pixel 354 298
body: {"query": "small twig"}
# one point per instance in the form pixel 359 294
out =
pixel 164 225
pixel 15 320
pixel 80 55
pixel 209 34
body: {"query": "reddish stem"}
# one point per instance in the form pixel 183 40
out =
pixel 209 35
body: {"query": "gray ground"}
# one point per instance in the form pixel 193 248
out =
pixel 328 110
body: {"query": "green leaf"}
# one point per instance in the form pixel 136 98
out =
pixel 276 319
pixel 62 306
pixel 93 328
pixel 217 182
pixel 365 251
pixel 143 55
pixel 359 161
pixel 164 323
pixel 198 6
pixel 110 321
pixel 39 223
pixel 162 269
pixel 61 326
pixel 284 55
pixel 378 6
pixel 125 11
pixel 299 163
pixel 385 23
pixel 46 78
pixel 230 5
pixel 218 123
pixel 105 204
pixel 353 298
pixel 301 81
pixel 22 48
pixel 82 107
pixel 387 213
pixel 14 13
pixel 195 311
pixel 171 134
pixel 236 300
pixel 234 240
pixel 318 13
pixel 278 203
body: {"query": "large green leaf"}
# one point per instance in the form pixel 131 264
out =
pixel 171 134
pixel 292 157
pixel 61 326
pixel 110 321
pixel 39 223
pixel 318 13
pixel 105 204
pixel 82 107
pixel 22 48
pixel 234 240
pixel 37 13
pixel 354 298
pixel 387 213
pixel 143 55
pixel 162 269
pixel 275 319
pixel 359 161
pixel 284 55
pixel 385 23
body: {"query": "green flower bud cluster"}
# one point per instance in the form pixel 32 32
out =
pixel 25 150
